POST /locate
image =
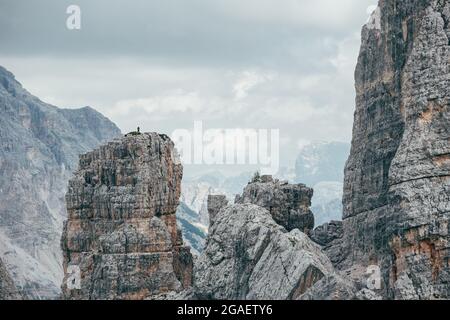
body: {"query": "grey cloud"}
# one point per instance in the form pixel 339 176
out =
pixel 142 62
pixel 225 32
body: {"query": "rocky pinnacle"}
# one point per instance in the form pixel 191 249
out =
pixel 121 240
pixel 289 204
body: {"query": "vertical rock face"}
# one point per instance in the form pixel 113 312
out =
pixel 121 235
pixel 215 204
pixel 7 289
pixel 39 149
pixel 327 233
pixel 289 204
pixel 397 179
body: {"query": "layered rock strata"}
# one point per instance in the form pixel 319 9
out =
pixel 289 204
pixel 249 256
pixel 121 240
pixel 397 178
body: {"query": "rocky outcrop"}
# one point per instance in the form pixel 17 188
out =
pixel 249 256
pixel 327 233
pixel 332 287
pixel 121 240
pixel 8 291
pixel 289 204
pixel 39 149
pixel 397 179
pixel 331 237
pixel 215 204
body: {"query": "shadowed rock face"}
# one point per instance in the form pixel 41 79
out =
pixel 289 204
pixel 7 289
pixel 327 233
pixel 397 178
pixel 215 204
pixel 122 233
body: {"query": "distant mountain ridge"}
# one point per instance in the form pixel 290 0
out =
pixel 39 148
pixel 321 161
pixel 320 165
pixel 194 232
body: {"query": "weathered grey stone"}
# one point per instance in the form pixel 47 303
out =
pixel 122 232
pixel 289 204
pixel 8 290
pixel 215 204
pixel 187 294
pixel 331 287
pixel 331 237
pixel 367 294
pixel 327 233
pixel 339 286
pixel 266 179
pixel 249 256
pixel 397 179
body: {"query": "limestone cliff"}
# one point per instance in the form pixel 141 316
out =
pixel 397 178
pixel 121 239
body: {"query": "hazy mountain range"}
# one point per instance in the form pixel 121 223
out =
pixel 39 148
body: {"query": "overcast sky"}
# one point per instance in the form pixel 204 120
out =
pixel 284 64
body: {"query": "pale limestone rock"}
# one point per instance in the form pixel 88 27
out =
pixel 249 256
